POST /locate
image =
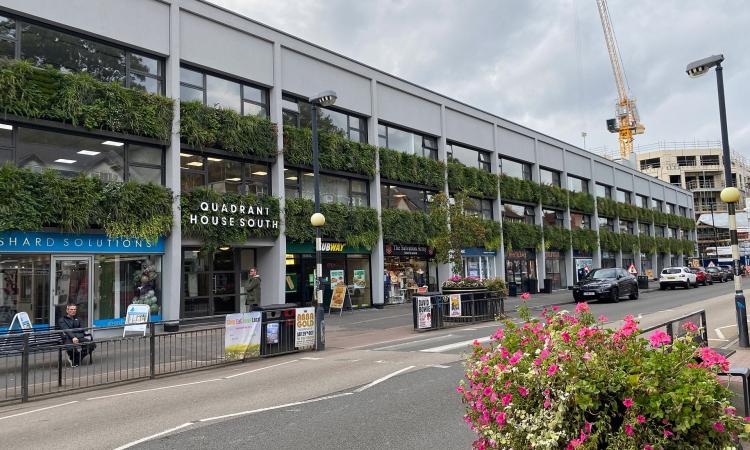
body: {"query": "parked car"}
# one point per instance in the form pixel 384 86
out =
pixel 717 275
pixel 729 270
pixel 677 276
pixel 701 276
pixel 608 284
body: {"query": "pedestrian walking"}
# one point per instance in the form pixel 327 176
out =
pixel 252 289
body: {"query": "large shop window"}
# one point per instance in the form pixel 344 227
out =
pixel 333 189
pixel 518 213
pixel 404 198
pixel 24 286
pixel 224 175
pixel 469 157
pixel 298 113
pixel 71 52
pixel 515 169
pixel 219 92
pixel 214 283
pixel 71 155
pixel 407 141
pixel 354 269
pixel 120 280
pixel 554 269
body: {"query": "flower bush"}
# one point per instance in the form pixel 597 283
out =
pixel 457 281
pixel 564 381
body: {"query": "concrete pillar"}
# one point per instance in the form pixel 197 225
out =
pixel 378 257
pixel 566 224
pixel 497 207
pixel 172 262
pixel 597 254
pixel 444 270
pixel 538 218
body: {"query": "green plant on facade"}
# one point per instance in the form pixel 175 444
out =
pixel 336 152
pixel 606 207
pixel 688 247
pixel 465 230
pixel 661 218
pixel 493 234
pixel 521 235
pixel 399 166
pixel 662 244
pixel 78 99
pixel 647 244
pixel 475 182
pixel 516 189
pixel 645 215
pixel 34 201
pixel 204 126
pixel 584 240
pixel 404 227
pixel 609 241
pixel 626 211
pixel 629 243
pixel 228 228
pixel 556 238
pixel 581 202
pixel 357 226
pixel 553 196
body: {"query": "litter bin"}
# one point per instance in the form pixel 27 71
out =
pixel 532 286
pixel 277 328
pixel 642 282
pixel 512 289
pixel 547 288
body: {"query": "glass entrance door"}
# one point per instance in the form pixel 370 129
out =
pixel 70 283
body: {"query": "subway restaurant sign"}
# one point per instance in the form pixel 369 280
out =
pixel 325 247
pixel 232 215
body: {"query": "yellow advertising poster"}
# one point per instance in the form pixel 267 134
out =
pixel 337 297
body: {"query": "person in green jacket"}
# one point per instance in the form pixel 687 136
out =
pixel 252 289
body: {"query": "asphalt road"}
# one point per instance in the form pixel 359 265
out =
pixel 311 400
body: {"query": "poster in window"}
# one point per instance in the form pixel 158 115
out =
pixel 359 281
pixel 337 277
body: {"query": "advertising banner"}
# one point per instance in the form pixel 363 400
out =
pixel 304 328
pixel 136 318
pixel 359 281
pixel 455 305
pixel 242 335
pixel 338 296
pixel 424 312
pixel 337 277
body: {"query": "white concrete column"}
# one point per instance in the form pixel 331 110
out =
pixel 618 254
pixel 539 218
pixel 568 256
pixel 172 263
pixel 444 270
pixel 597 254
pixel 497 207
pixel 378 257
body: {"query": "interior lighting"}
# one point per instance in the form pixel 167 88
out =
pixel 195 163
pixel 291 178
pixel 65 161
pixel 234 179
pixel 113 143
pixel 214 159
pixel 5 126
pixel 88 152
pixel 260 173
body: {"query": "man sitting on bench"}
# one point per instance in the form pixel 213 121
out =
pixel 79 343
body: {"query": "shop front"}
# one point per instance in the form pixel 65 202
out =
pixel 42 272
pixel 408 267
pixel 554 269
pixel 583 263
pixel 647 268
pixel 520 268
pixel 340 262
pixel 627 260
pixel 479 263
pixel 608 260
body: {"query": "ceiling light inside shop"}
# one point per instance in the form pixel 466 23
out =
pixel 309 174
pixel 399 195
pixel 5 126
pixel 65 161
pixel 195 163
pixel 214 159
pixel 223 249
pixel 260 173
pixel 185 155
pixel 291 178
pixel 113 143
pixel 88 152
pixel 234 179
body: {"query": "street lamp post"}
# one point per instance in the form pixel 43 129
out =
pixel 730 194
pixel 325 98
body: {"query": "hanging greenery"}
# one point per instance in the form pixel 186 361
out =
pixel 336 151
pixel 475 182
pixel 629 243
pixel 78 99
pixel 606 207
pixel 404 227
pixel 662 244
pixel 660 218
pixel 512 188
pixel 228 226
pixel 645 215
pixel 493 234
pixel 581 202
pixel 684 223
pixel 520 235
pixel 609 240
pixel 556 238
pixel 204 126
pixel 626 211
pixel 553 196
pixel 647 244
pixel 584 240
pixel 399 166
pixel 33 201
pixel 688 247
pixel 357 226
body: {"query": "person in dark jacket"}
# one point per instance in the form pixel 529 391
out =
pixel 78 342
pixel 252 288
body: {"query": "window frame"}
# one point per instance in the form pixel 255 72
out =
pixel 363 136
pixel 427 151
pixel 529 213
pixel 584 184
pixel 484 157
pixel 556 176
pixel 559 217
pixel 244 181
pixel 299 173
pixel 266 107
pixel 526 168
pixel 607 190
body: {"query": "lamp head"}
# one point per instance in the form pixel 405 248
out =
pixel 730 195
pixel 325 98
pixel 700 67
pixel 317 220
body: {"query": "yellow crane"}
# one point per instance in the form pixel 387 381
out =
pixel 626 122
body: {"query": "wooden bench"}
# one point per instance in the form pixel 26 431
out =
pixel 38 340
pixel 675 329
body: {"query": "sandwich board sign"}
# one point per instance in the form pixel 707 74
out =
pixel 136 319
pixel 23 321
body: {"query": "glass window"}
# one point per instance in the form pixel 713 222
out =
pixel 644 228
pixel 515 169
pixel 660 231
pixel 605 223
pixel 518 213
pixel 359 193
pixel 627 226
pixel 25 287
pixel 144 154
pixel 257 178
pixel 469 156
pixel 401 140
pixel 552 217
pixel 6 135
pixel 406 199
pixel 141 174
pixel 224 175
pixel 333 122
pixel 222 93
pixel 657 205
pixel 576 184
pixel 190 180
pixel 7 28
pixel 188 94
pixel 121 279
pixel 578 220
pixel 407 142
pixel 144 83
pixel 144 64
pixel 550 177
pixel 603 191
pixel 192 77
pixel 642 201
pixel 333 189
pixel 145 73
pixel 623 196
pixel 291 183
pixel 479 207
pixel 7 49
pixel 670 208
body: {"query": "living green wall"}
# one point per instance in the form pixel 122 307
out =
pixel 355 225
pixel 473 181
pixel 404 227
pixel 399 166
pixel 556 238
pixel 336 151
pixel 516 189
pixel 519 235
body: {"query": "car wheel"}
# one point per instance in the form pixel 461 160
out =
pixel 671 287
pixel 615 295
pixel 687 284
pixel 576 299
pixel 662 287
pixel 634 294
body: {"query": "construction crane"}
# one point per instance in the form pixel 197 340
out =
pixel 626 122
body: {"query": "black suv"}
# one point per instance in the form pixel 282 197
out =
pixel 611 283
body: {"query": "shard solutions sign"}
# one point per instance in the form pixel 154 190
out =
pixel 233 215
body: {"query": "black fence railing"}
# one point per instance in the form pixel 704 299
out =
pixel 36 363
pixel 436 311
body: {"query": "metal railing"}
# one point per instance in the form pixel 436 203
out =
pixel 34 364
pixel 474 307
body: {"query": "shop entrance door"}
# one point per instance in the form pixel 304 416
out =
pixel 70 283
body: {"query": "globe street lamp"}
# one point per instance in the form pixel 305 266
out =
pixel 317 220
pixel 730 194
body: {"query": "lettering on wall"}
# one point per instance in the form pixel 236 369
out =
pixel 232 215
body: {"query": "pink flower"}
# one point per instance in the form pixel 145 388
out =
pixel 525 296
pixel 460 389
pixel 523 391
pixel 689 326
pixel 648 447
pixel 628 402
pixel 565 336
pixel 603 318
pixel 515 358
pixel 730 410
pixel 555 308
pixel 658 338
pixel 641 419
pixel 507 398
pixel 552 369
pixel 582 307
pixel 718 426
pixel 628 429
pixel 668 433
pixel 547 403
pixel 500 419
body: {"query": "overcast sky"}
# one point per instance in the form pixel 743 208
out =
pixel 544 63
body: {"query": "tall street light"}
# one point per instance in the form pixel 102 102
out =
pixel 325 98
pixel 730 194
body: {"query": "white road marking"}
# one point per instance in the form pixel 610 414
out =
pixel 456 345
pixel 720 340
pixel 381 342
pixel 154 436
pixel 154 389
pixel 310 358
pixel 271 408
pixel 444 336
pixel 381 379
pixel 259 369
pixel 378 318
pixel 440 366
pixel 720 334
pixel 37 410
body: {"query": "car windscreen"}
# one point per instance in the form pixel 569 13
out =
pixel 671 271
pixel 602 274
pixel 712 269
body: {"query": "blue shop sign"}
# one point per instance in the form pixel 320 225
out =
pixel 43 242
pixel 477 252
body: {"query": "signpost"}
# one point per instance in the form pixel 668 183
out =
pixel 632 270
pixel 136 319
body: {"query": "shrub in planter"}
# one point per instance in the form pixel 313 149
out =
pixel 627 211
pixel 355 225
pixel 399 166
pixel 476 182
pixel 581 202
pixel 566 381
pixel 553 196
pixel 606 207
pixel 336 151
pixel 609 240
pixel 518 235
pixel 556 238
pixel 584 240
pixel 458 282
pixel 512 188
pixel 404 227
pixel 629 243
pixel 647 244
pixel 645 215
pixel 661 218
pixel 496 285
